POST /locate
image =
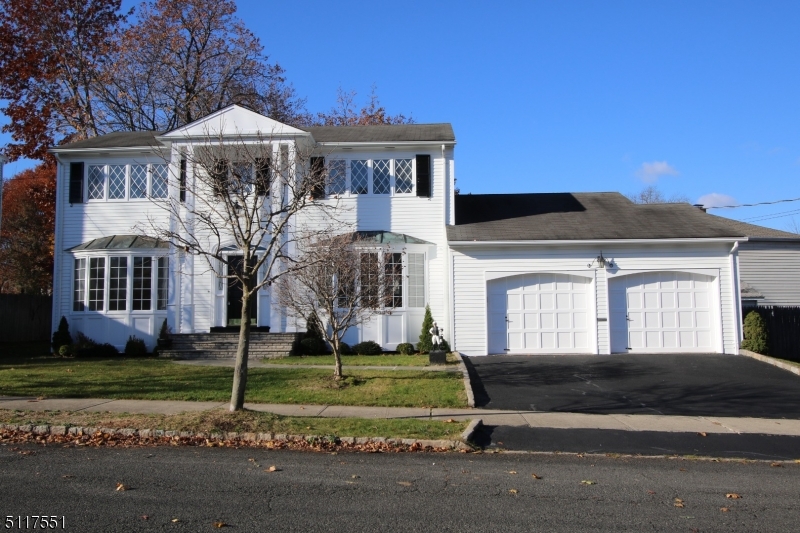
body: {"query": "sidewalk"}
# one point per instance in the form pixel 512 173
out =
pixel 659 423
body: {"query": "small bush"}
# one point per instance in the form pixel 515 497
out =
pixel 755 334
pixel 164 331
pixel 313 346
pixel 86 347
pixel 107 350
pixel 406 348
pixel 367 348
pixel 345 348
pixel 135 347
pixel 65 350
pixel 61 337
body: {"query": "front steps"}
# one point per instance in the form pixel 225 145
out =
pixel 222 345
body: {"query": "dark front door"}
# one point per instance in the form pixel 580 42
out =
pixel 235 295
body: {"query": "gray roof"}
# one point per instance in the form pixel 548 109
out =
pixel 757 232
pixel 121 242
pixel 578 216
pixel 384 133
pixel 119 139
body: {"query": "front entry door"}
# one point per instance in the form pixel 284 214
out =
pixel 235 295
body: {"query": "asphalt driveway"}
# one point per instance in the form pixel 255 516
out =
pixel 681 384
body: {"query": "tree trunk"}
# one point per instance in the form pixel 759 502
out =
pixel 242 353
pixel 337 358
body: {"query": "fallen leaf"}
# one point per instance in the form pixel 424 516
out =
pixel 733 496
pixel 512 471
pixel 776 465
pixel 121 487
pixel 651 492
pixel 272 468
pixel 219 524
pixel 534 476
pixel 449 420
pixel 678 500
pixel 678 504
pixel 513 491
pixel 724 509
pixel 355 476
pixel 404 483
pixel 683 470
pixel 588 482
pixel 145 517
pixel 68 476
pixel 703 434
pixel 174 519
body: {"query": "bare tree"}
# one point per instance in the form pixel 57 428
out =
pixel 236 208
pixel 793 226
pixel 652 195
pixel 350 280
pixel 346 112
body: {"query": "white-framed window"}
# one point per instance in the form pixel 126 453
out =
pixel 107 182
pixel 398 283
pixel 379 176
pixel 101 283
pixel 393 279
pixel 416 280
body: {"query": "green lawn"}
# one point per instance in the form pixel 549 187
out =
pixel 158 379
pixel 352 360
pixel 244 421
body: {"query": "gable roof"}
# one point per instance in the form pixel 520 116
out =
pixel 442 132
pixel 234 120
pixel 578 216
pixel 757 232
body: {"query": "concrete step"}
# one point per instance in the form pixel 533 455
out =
pixel 223 345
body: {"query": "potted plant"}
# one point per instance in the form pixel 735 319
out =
pixel 164 340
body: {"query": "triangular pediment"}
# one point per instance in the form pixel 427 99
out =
pixel 234 121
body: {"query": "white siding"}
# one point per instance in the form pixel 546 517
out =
pixel 472 266
pixel 773 269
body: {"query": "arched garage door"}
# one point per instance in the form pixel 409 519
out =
pixel 539 313
pixel 662 312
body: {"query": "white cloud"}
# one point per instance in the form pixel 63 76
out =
pixel 716 199
pixel 650 172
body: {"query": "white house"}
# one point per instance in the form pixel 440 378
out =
pixel 526 273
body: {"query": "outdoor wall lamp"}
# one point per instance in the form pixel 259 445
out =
pixel 601 261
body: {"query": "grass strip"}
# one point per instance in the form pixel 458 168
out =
pixel 356 360
pixel 218 420
pixel 159 379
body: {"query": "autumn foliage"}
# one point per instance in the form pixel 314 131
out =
pixel 27 231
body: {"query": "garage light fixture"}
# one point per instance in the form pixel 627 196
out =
pixel 601 262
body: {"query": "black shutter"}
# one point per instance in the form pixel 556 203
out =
pixel 317 177
pixel 424 175
pixel 76 183
pixel 263 176
pixel 219 177
pixel 183 180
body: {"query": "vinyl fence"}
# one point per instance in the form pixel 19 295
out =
pixel 25 317
pixel 783 330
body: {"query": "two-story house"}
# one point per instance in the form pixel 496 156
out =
pixel 520 273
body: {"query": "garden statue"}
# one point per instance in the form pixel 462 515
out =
pixel 436 336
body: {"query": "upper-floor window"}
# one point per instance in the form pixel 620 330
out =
pixel 127 182
pixel 382 176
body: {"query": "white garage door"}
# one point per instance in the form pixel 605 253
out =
pixel 539 313
pixel 662 312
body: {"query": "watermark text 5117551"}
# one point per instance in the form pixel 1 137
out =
pixel 33 522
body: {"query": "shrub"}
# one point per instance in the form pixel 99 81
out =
pixel 107 350
pixel 135 347
pixel 65 350
pixel 345 348
pixel 425 344
pixel 755 333
pixel 164 331
pixel 313 346
pixel 313 330
pixel 61 337
pixel 86 347
pixel 405 348
pixel 367 348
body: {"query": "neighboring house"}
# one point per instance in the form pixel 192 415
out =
pixel 769 263
pixel 509 273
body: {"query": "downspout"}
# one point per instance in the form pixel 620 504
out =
pixel 737 293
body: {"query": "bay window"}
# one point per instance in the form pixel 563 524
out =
pixel 104 285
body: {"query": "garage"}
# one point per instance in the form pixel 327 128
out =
pixel 662 312
pixel 540 313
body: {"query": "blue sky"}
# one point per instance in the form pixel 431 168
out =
pixel 698 98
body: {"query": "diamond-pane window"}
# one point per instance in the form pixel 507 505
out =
pixel 159 185
pixel 116 182
pixel 381 176
pixel 138 181
pixel 338 177
pixel 359 176
pixel 97 182
pixel 403 181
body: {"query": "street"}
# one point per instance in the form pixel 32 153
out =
pixel 199 489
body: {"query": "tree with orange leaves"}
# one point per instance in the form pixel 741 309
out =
pixel 26 240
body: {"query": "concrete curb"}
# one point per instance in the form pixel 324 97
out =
pixel 467 383
pixel 771 361
pixel 466 436
pixel 254 438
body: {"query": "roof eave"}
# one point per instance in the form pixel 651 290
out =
pixel 125 149
pixel 562 242
pixel 384 143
